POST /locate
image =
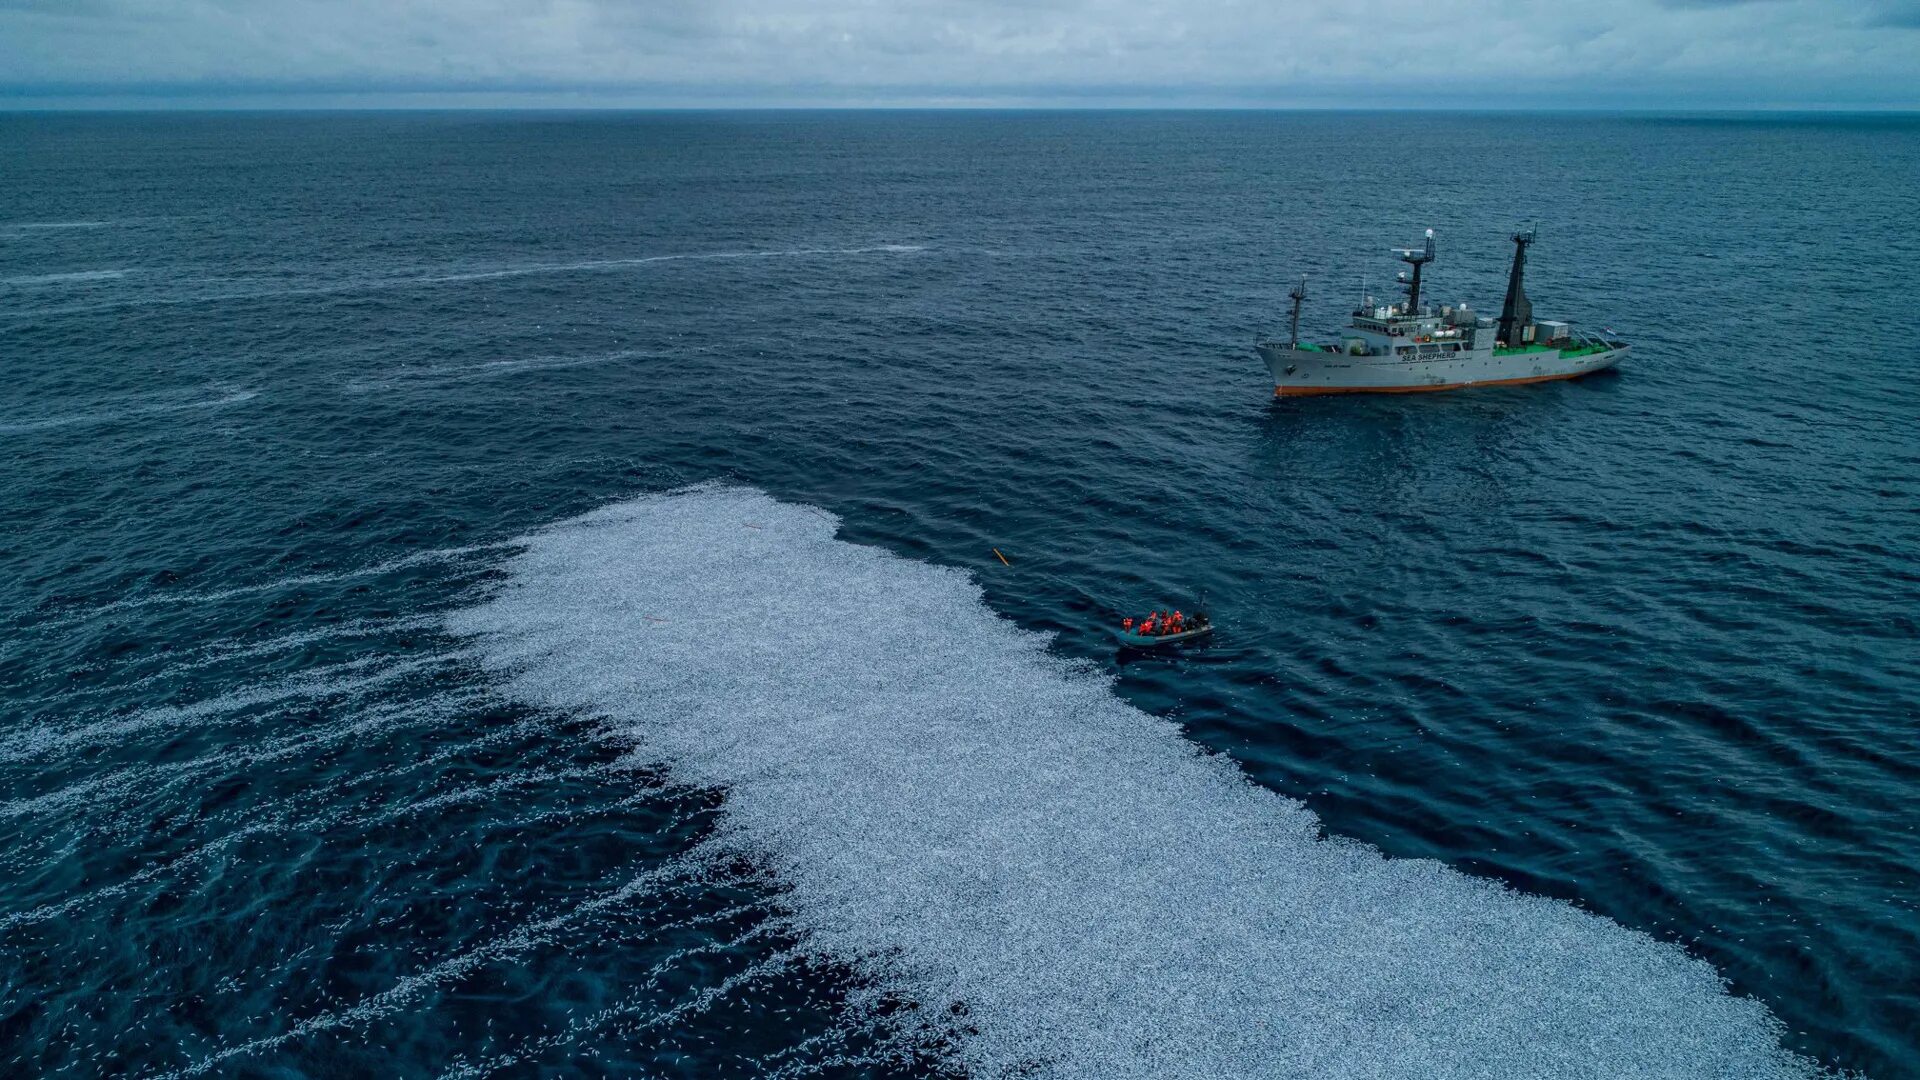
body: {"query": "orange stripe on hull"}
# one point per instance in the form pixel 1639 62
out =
pixel 1314 391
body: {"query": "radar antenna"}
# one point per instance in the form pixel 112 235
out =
pixel 1298 294
pixel 1416 258
pixel 1517 312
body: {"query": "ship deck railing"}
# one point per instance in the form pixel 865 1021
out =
pixel 1580 348
pixel 1587 348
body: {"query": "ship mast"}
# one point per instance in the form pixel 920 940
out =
pixel 1517 312
pixel 1298 294
pixel 1416 258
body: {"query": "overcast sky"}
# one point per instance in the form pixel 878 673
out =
pixel 1474 53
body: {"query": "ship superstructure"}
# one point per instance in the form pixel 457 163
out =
pixel 1410 346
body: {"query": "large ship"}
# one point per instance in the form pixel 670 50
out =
pixel 1408 346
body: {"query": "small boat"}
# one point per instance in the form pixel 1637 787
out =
pixel 1198 626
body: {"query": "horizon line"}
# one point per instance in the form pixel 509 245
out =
pixel 139 104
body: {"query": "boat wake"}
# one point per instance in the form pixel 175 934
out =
pixel 1064 884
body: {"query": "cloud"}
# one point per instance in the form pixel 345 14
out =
pixel 1904 14
pixel 794 51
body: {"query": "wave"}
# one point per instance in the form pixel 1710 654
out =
pixel 98 794
pixel 44 225
pixel 388 284
pixel 646 260
pixel 442 375
pixel 672 875
pixel 238 706
pixel 104 416
pixel 207 596
pixel 75 277
pixel 641 1006
pixel 188 661
pixel 989 830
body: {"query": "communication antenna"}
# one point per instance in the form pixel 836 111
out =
pixel 1416 258
pixel 1298 294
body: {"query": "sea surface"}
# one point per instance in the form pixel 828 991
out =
pixel 630 595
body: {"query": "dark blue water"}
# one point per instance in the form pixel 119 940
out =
pixel 282 392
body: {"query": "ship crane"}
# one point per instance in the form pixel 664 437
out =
pixel 1517 312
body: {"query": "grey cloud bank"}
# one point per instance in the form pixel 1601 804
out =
pixel 1475 53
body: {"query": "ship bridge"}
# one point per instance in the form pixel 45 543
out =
pixel 1411 328
pixel 1392 331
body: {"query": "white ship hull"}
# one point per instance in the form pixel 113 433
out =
pixel 1306 371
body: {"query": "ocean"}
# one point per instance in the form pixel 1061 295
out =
pixel 631 594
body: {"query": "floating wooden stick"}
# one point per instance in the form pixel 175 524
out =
pixel 1003 558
